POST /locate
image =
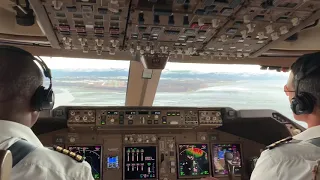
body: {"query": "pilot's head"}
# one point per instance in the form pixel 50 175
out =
pixel 19 79
pixel 303 89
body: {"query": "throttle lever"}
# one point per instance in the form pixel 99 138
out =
pixel 230 165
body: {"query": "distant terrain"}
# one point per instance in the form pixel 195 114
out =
pixel 176 81
pixel 176 88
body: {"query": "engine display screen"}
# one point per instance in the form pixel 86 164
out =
pixel 92 155
pixel 140 162
pixel 218 157
pixel 113 162
pixel 193 160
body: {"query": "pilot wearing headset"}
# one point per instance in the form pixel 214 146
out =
pixel 297 157
pixel 22 97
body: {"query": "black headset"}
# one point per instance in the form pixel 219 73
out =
pixel 304 102
pixel 42 99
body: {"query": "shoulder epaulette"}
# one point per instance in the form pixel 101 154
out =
pixel 278 143
pixel 73 155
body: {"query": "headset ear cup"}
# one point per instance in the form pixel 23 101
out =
pixel 43 99
pixel 48 99
pixel 37 98
pixel 303 103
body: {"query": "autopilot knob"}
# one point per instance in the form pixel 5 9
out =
pixel 139 139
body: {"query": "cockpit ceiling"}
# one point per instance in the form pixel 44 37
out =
pixel 54 35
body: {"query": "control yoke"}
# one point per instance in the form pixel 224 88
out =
pixel 231 164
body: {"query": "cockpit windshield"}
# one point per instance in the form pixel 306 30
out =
pixel 104 82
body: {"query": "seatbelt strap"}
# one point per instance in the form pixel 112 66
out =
pixel 19 150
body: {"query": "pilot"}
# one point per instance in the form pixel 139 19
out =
pixel 20 78
pixel 297 157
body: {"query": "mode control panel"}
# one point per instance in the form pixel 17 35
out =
pixel 210 117
pixel 140 138
pixel 81 116
pixel 153 117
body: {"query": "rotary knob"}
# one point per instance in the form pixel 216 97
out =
pixel 131 139
pixel 153 139
pixel 112 120
pixel 72 139
pixel 125 138
pixel 139 139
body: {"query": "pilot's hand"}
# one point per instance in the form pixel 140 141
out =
pixel 209 178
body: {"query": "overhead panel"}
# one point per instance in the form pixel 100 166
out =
pixel 92 25
pixel 178 29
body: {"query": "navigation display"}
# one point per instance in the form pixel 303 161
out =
pixel 218 157
pixel 92 155
pixel 193 160
pixel 140 162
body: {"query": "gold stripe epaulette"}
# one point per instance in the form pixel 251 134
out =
pixel 278 143
pixel 73 155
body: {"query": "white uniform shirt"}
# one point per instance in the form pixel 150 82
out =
pixel 292 161
pixel 42 163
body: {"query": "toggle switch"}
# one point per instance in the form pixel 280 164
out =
pixel 274 36
pixel 156 19
pixel 250 28
pixel 246 19
pixel 200 22
pixel 269 29
pixel 99 42
pixel 295 21
pixel 141 18
pixel 284 30
pixel 57 4
pixel 171 20
pixel 215 23
pixel 186 20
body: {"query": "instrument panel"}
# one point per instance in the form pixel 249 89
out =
pixel 162 143
pixel 176 28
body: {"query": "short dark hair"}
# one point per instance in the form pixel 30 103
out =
pixel 311 82
pixel 19 78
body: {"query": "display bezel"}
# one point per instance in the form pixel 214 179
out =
pixel 101 155
pixel 212 156
pixel 178 160
pixel 139 145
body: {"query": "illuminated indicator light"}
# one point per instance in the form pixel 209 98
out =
pixel 103 122
pixel 64 28
pixel 99 30
pixel 194 25
pixel 204 27
pixel 80 29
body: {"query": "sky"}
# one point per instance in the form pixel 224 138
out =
pixel 81 63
